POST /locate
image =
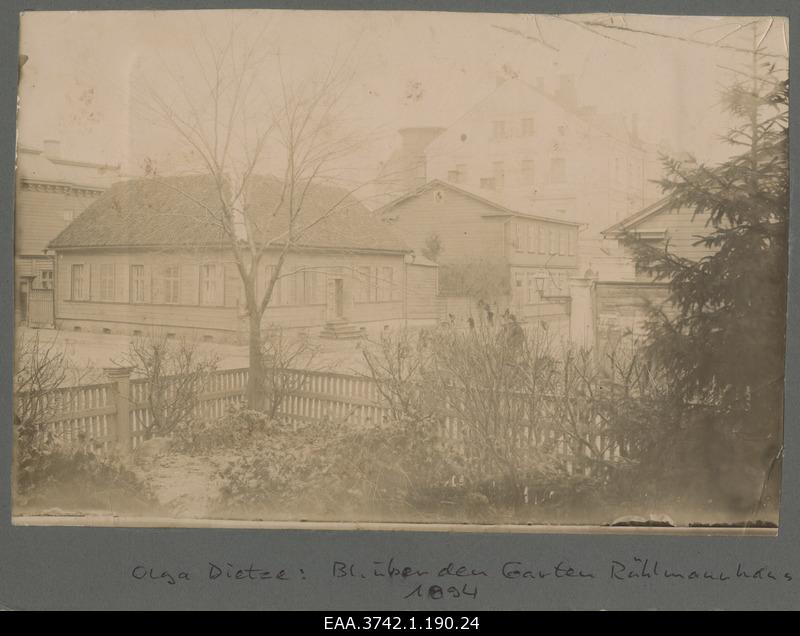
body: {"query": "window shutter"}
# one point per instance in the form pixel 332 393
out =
pixel 189 276
pixel 230 284
pixel 120 282
pixel 220 300
pixel 93 282
pixel 157 283
pixel 148 283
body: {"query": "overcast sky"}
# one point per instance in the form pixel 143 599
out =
pixel 408 67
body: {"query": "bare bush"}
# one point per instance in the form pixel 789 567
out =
pixel 286 360
pixel 176 373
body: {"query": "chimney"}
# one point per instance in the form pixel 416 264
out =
pixel 52 149
pixel 566 93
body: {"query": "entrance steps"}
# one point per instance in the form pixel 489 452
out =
pixel 341 330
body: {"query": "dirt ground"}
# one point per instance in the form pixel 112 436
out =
pixel 189 496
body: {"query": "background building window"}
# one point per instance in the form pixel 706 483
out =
pixel 532 237
pixel 527 127
pixel 46 279
pixel 487 183
pixel 137 283
pixel 498 170
pixel 518 240
pixel 528 171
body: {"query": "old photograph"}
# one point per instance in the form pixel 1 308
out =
pixel 397 269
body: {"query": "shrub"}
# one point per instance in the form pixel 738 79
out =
pixel 75 478
pixel 331 469
pixel 177 374
pixel 233 431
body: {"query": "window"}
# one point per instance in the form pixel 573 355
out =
pixel 573 238
pixel 498 169
pixel 498 130
pixel 542 240
pixel 385 284
pixel 531 288
pixel 527 127
pixel 79 286
pixel 461 169
pixel 562 242
pixel 299 280
pixel 452 176
pixel 314 284
pixel 46 279
pixel 528 171
pixel 288 287
pixel 532 238
pixel 487 183
pixel 519 237
pixel 375 280
pixel 171 283
pixel 363 286
pixel 211 284
pixel 553 242
pixel 69 215
pixel 137 284
pixel 519 287
pixel 105 272
pixel 557 170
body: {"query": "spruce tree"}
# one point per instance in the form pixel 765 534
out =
pixel 721 336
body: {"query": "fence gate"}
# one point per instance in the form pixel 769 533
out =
pixel 40 307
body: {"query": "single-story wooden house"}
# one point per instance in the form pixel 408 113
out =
pixel 624 292
pixel 149 253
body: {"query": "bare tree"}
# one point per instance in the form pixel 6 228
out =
pixel 248 116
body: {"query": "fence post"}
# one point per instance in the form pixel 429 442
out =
pixel 121 377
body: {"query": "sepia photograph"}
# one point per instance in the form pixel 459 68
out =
pixel 400 270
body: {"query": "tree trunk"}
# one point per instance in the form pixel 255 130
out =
pixel 255 376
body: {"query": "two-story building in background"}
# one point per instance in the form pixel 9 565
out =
pixel 536 255
pixel 541 152
pixel 51 191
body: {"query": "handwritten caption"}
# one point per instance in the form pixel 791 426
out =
pixel 457 580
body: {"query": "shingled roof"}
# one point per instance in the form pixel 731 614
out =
pixel 181 211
